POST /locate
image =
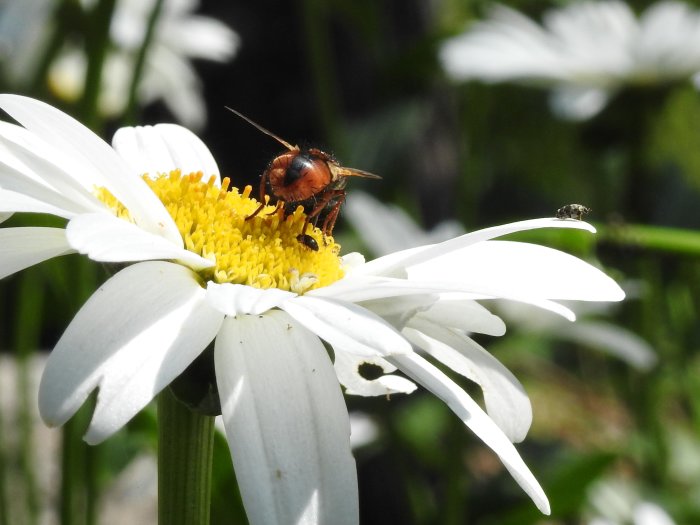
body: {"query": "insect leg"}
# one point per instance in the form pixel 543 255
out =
pixel 329 223
pixel 263 182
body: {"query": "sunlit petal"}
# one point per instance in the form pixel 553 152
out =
pixel 521 269
pixel 92 153
pixel 13 202
pixel 394 265
pixel 27 246
pixel 348 369
pixel 352 328
pixel 36 168
pixel 464 314
pixel 504 396
pixel 237 299
pixel 136 334
pixel 286 423
pixel 104 237
pixel 164 148
pixel 476 419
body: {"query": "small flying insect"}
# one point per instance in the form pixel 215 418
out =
pixel 307 177
pixel 572 211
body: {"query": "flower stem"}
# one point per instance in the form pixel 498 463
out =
pixel 132 101
pixel 185 450
pixel 97 47
pixel 30 309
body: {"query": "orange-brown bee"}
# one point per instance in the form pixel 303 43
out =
pixel 307 177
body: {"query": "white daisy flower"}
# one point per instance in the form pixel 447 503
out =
pixel 619 502
pixel 168 73
pixel 201 273
pixel 24 32
pixel 585 51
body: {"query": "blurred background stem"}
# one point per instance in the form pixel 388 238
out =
pixel 4 513
pixel 315 30
pixel 98 42
pixel 130 116
pixel 30 310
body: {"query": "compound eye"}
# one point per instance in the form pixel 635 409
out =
pixel 297 169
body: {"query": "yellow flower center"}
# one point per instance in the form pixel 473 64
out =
pixel 262 252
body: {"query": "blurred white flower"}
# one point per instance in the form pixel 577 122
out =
pixel 587 331
pixel 24 28
pixel 386 228
pixel 617 502
pixel 363 429
pixel 168 73
pixel 585 51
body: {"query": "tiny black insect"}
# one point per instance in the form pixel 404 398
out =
pixel 572 211
pixel 308 241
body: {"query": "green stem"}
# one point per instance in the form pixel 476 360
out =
pixel 185 451
pixel 69 473
pixel 78 480
pixel 656 238
pixel 132 101
pixel 29 317
pixel 97 46
pixel 91 483
pixel 672 240
pixel 66 16
pixel 318 48
pixel 4 503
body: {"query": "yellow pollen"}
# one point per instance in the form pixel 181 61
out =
pixel 262 252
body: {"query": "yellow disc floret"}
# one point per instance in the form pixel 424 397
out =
pixel 263 251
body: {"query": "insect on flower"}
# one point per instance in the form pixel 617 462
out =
pixel 572 211
pixel 307 177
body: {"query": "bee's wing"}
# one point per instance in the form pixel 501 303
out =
pixel 352 172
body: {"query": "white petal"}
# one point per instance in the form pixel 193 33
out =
pixel 347 368
pixel 371 288
pixel 351 261
pixel 518 269
pixel 206 38
pixel 13 202
pixel 578 103
pixel 647 513
pixel 394 265
pixel 104 237
pixel 25 247
pixel 33 167
pixel 136 334
pixel 352 328
pixel 92 155
pixel 504 396
pixel 463 314
pixel 398 310
pixel 609 338
pixel 550 306
pixel 286 423
pixel 237 299
pixel 476 419
pixel 173 78
pixel 363 429
pixel 164 148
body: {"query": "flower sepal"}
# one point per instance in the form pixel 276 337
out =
pixel 196 386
